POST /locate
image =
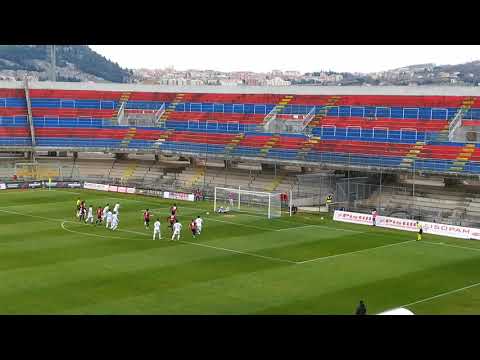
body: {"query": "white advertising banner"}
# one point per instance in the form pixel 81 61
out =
pixel 92 186
pixel 408 225
pixel 178 196
pixel 87 185
pixel 103 187
pixel 3 186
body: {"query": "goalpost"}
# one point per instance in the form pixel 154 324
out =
pixel 256 202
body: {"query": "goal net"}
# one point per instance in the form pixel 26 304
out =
pixel 36 171
pixel 256 202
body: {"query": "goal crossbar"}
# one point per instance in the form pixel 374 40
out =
pixel 248 191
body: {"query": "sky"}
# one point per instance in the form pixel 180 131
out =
pixel 303 58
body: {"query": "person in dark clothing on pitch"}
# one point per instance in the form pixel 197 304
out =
pixel 361 309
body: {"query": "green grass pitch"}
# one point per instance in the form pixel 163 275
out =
pixel 241 264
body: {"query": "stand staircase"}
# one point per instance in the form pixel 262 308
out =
pixel 278 108
pixel 200 172
pixel 463 157
pixel 331 102
pixel 273 186
pixel 307 147
pixel 269 144
pixel 129 171
pixel 229 148
pixel 117 115
pixel 171 108
pixel 446 133
pixel 412 154
pixel 162 138
pixel 128 137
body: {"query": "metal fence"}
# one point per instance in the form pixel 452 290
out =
pixel 433 204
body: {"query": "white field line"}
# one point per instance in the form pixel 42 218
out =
pixel 353 252
pixel 122 230
pixel 442 294
pixel 197 209
pixel 322 227
pixel 228 222
pixel 68 221
pixel 448 292
pixel 52 219
pixel 88 234
pixel 34 216
pixel 63 191
pixel 297 227
pixel 450 245
pixel 269 229
pixel 49 204
pixel 239 252
pixel 141 233
pixel 27 191
pixel 240 224
pixel 145 201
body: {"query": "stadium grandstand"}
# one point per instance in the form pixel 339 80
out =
pixel 410 150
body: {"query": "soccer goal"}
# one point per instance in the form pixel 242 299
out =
pixel 255 202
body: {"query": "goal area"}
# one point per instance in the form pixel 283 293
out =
pixel 254 202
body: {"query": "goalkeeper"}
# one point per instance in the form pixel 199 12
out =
pixel 222 210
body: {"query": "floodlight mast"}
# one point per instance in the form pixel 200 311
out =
pixel 53 74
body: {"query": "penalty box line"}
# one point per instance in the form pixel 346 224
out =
pixel 145 201
pixel 239 252
pixel 63 221
pixel 269 229
pixel 229 222
pixel 88 234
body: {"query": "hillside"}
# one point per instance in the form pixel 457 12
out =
pixel 466 74
pixel 73 63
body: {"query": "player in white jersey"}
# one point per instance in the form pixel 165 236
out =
pixel 108 222
pixel 177 227
pixel 116 208
pixel 90 215
pixel 115 221
pixel 105 212
pixel 156 230
pixel 199 223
